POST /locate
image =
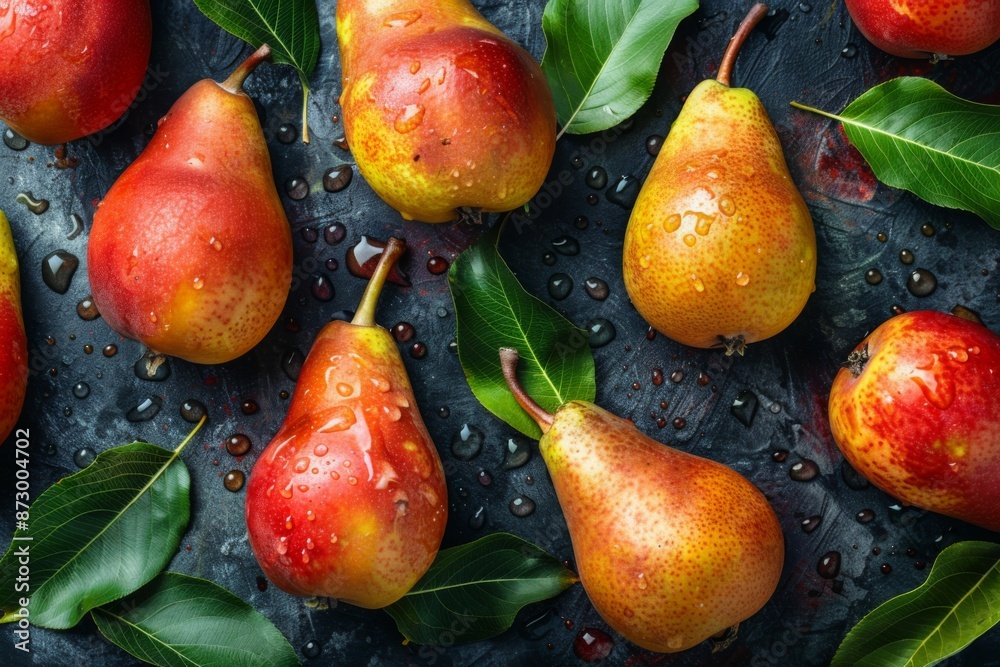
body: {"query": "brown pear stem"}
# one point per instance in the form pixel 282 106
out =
pixel 757 12
pixel 508 364
pixel 234 84
pixel 365 315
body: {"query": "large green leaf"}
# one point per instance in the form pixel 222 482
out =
pixel 603 56
pixel 919 137
pixel 182 621
pixel 98 534
pixel 289 27
pixel 474 591
pixel 493 311
pixel 959 601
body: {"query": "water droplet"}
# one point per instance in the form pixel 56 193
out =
pixel 597 178
pixel 849 51
pixel 811 524
pixel 193 410
pixel 744 407
pixel 484 478
pixel 234 480
pixel 966 314
pixel 84 456
pixel 882 237
pixel 403 332
pixel 805 7
pixel 334 233
pixel 437 265
pixel 921 283
pixel 297 188
pixel 363 257
pixel 14 141
pixel 699 285
pixel 654 143
pixel 600 332
pixel 81 390
pixel 249 407
pixel 522 506
pixel 885 568
pixel 829 565
pixel 478 518
pixel 516 454
pixel 110 350
pixel 566 245
pixel 402 19
pixel 624 192
pixel 152 367
pixel 409 118
pixel 672 223
pixel 444 412
pixel 339 418
pixel 146 410
pixel 467 443
pixel 906 256
pixel 336 179
pixel 287 133
pixel 291 361
pixel 560 285
pixel 873 276
pixel 321 288
pixel 596 288
pixel 592 645
pixel 679 423
pixel 87 309
pixel 742 279
pixel 549 258
pixel 727 206
pixel 927 229
pixel 418 350
pixel 36 206
pixel 58 269
pixel 282 545
pixel 865 516
pixel 690 240
pixel 804 470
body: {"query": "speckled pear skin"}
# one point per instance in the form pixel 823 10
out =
pixel 442 110
pixel 921 28
pixel 13 343
pixel 720 243
pixel 670 547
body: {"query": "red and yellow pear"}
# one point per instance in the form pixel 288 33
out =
pixel 927 28
pixel 442 111
pixel 14 351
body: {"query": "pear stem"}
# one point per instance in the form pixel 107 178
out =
pixel 508 364
pixel 757 12
pixel 234 84
pixel 365 315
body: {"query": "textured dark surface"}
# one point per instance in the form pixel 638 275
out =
pixel 810 54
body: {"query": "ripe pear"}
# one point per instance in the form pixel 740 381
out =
pixel 349 499
pixel 70 68
pixel 927 28
pixel 720 248
pixel 671 548
pixel 14 351
pixel 190 252
pixel 914 411
pixel 442 111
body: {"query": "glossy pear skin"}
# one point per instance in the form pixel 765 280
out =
pixel 670 547
pixel 190 252
pixel 920 421
pixel 349 499
pixel 70 68
pixel 921 28
pixel 720 242
pixel 442 110
pixel 14 347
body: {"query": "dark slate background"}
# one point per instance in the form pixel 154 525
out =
pixel 812 54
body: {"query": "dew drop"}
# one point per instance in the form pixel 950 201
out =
pixel 811 524
pixel 145 411
pixel 516 454
pixel 81 390
pixel 193 410
pixel 596 288
pixel 87 309
pixel 742 279
pixel 287 133
pixel 36 206
pixel 865 516
pixel 744 407
pixel 654 143
pixel 873 276
pixel 560 285
pixel 624 192
pixel 58 269
pixel 804 470
pixel 409 118
pixel 467 443
pixel 336 179
pixel 234 480
pixel 921 283
pixel 566 245
pixel 84 456
pixel 592 645
pixel 597 178
pixel 522 506
pixel 14 141
pixel 600 332
pixel 829 565
pixel 334 233
pixel 727 206
pixel 297 188
pixel 906 256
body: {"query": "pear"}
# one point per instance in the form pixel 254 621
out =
pixel 349 499
pixel 190 252
pixel 14 351
pixel 71 68
pixel 670 547
pixel 720 249
pixel 442 111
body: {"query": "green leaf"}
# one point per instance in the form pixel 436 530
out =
pixel 182 621
pixel 474 591
pixel 919 137
pixel 602 57
pixel 289 27
pixel 959 601
pixel 493 311
pixel 98 534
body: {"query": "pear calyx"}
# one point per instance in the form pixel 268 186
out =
pixel 365 315
pixel 753 17
pixel 508 364
pixel 856 361
pixel 234 84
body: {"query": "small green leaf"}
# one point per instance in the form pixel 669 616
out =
pixel 182 621
pixel 919 137
pixel 493 311
pixel 474 591
pixel 290 28
pixel 959 601
pixel 602 57
pixel 98 534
